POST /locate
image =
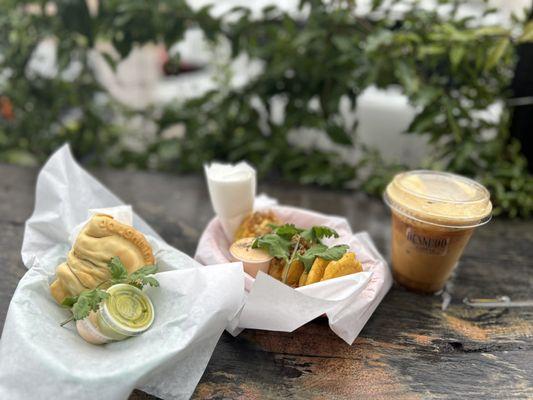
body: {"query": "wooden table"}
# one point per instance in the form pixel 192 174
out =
pixel 410 348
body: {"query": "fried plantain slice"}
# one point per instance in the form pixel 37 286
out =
pixel 303 278
pixel 292 275
pixel 347 265
pixel 317 270
pixel 276 268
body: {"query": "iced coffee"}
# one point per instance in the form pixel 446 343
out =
pixel 433 216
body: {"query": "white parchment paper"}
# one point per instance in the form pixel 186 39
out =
pixel 41 360
pixel 348 301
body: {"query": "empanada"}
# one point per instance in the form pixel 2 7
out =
pixel 101 239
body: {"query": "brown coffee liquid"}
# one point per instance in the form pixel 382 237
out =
pixel 424 255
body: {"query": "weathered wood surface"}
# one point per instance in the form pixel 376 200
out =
pixel 409 349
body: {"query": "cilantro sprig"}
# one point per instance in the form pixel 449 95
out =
pixel 90 300
pixel 84 303
pixel 315 233
pixel 276 245
pixel 322 251
pixel 312 235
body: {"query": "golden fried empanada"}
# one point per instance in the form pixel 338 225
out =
pixel 347 265
pixel 101 239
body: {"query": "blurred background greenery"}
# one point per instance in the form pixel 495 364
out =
pixel 291 108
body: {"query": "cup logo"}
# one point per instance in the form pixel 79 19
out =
pixel 437 246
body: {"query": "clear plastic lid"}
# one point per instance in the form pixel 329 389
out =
pixel 127 310
pixel 439 198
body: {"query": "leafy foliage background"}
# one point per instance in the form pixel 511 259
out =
pixel 450 67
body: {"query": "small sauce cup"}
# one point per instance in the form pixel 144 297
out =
pixel 127 312
pixel 253 260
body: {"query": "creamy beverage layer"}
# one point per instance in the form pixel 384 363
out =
pixel 439 198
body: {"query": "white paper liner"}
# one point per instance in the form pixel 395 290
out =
pixel 41 360
pixel 348 302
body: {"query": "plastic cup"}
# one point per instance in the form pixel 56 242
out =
pixel 127 312
pixel 253 260
pixel 433 217
pixel 232 191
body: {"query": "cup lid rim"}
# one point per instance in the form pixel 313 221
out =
pixel 482 189
pixel 482 221
pixel 124 329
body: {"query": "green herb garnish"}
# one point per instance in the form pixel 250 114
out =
pixel 117 269
pixel 140 277
pixel 286 231
pixel 286 241
pixel 321 250
pixel 312 235
pixel 276 245
pixel 84 303
pixel 316 233
pixel 89 300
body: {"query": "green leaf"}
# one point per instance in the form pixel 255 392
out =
pixel 117 269
pixel 150 280
pixel 527 34
pixel 69 301
pixel 76 18
pixel 309 256
pixel 343 43
pixel 110 60
pixel 408 77
pixel 275 245
pixel 430 50
pixel 316 233
pixel 324 232
pixel 322 251
pixel 339 135
pixel 375 41
pixel 143 271
pixel 453 122
pixel 88 301
pixel 456 55
pixel 490 31
pixel 496 52
pixel 81 308
pixel 376 4
pixel 334 253
pixel 140 277
pixel 286 231
pixel 422 122
pixel 426 95
pixel 143 281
